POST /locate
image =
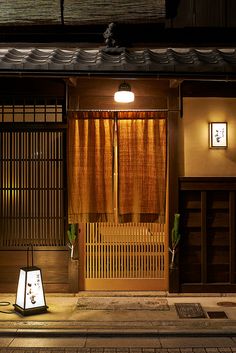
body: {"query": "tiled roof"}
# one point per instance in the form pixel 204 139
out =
pixel 99 60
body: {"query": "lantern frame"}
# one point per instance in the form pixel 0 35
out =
pixel 30 297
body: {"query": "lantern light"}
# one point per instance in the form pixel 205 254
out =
pixel 30 298
pixel 124 94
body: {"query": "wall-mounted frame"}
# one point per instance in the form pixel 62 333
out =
pixel 218 135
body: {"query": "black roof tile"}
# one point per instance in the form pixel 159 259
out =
pixel 187 60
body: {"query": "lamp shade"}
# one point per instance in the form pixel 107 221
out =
pixel 124 94
pixel 30 297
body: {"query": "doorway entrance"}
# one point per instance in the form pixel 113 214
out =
pixel 117 193
pixel 123 256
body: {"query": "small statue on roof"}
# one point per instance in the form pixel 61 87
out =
pixel 109 34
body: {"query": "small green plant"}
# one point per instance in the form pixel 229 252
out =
pixel 175 238
pixel 71 233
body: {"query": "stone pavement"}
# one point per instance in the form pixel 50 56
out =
pixel 66 329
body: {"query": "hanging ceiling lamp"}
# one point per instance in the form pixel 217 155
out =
pixel 124 94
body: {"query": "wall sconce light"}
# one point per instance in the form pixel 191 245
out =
pixel 30 298
pixel 218 135
pixel 124 94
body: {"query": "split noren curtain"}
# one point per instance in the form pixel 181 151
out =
pixel 141 166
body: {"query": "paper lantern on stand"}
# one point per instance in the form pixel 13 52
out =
pixel 30 298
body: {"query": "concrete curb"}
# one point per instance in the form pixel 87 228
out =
pixel 114 332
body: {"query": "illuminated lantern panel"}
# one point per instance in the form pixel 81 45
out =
pixel 30 297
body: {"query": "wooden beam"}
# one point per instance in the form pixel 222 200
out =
pixel 72 81
pixel 174 83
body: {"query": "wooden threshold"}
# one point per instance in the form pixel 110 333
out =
pixel 142 284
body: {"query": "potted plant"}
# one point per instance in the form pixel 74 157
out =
pixel 71 233
pixel 175 238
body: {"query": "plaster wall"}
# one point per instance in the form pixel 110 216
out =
pixel 198 158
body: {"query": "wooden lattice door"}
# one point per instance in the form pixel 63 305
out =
pixel 123 256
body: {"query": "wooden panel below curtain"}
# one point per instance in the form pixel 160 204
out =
pixel 54 264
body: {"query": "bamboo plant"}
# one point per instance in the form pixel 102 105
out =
pixel 175 238
pixel 71 233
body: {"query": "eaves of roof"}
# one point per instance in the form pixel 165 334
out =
pixel 77 61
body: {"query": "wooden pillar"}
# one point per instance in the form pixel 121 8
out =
pixel 203 238
pixel 232 228
pixel 173 173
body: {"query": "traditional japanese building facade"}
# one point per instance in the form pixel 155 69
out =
pixel 70 154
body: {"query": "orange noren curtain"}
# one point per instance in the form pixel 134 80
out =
pixel 90 153
pixel 142 166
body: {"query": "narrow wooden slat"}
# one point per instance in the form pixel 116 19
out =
pixel 86 242
pixel 87 245
pixel 102 257
pixel 231 9
pixel 203 239
pixel 232 210
pixel 185 14
pixel 48 181
pixel 205 17
pixel 90 253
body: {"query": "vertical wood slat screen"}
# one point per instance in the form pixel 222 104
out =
pixel 134 250
pixel 31 188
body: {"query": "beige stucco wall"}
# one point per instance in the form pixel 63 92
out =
pixel 198 159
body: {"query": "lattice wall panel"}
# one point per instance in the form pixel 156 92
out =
pixel 125 251
pixel 31 188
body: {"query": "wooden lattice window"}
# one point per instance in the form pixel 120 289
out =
pixel 31 109
pixel 32 172
pixel 32 188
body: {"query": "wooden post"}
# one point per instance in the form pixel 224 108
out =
pixel 173 174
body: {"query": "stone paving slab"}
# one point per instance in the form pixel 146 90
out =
pixel 123 342
pixel 48 342
pixel 209 342
pixel 119 350
pixel 5 341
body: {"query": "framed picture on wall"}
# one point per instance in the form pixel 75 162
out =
pixel 218 135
